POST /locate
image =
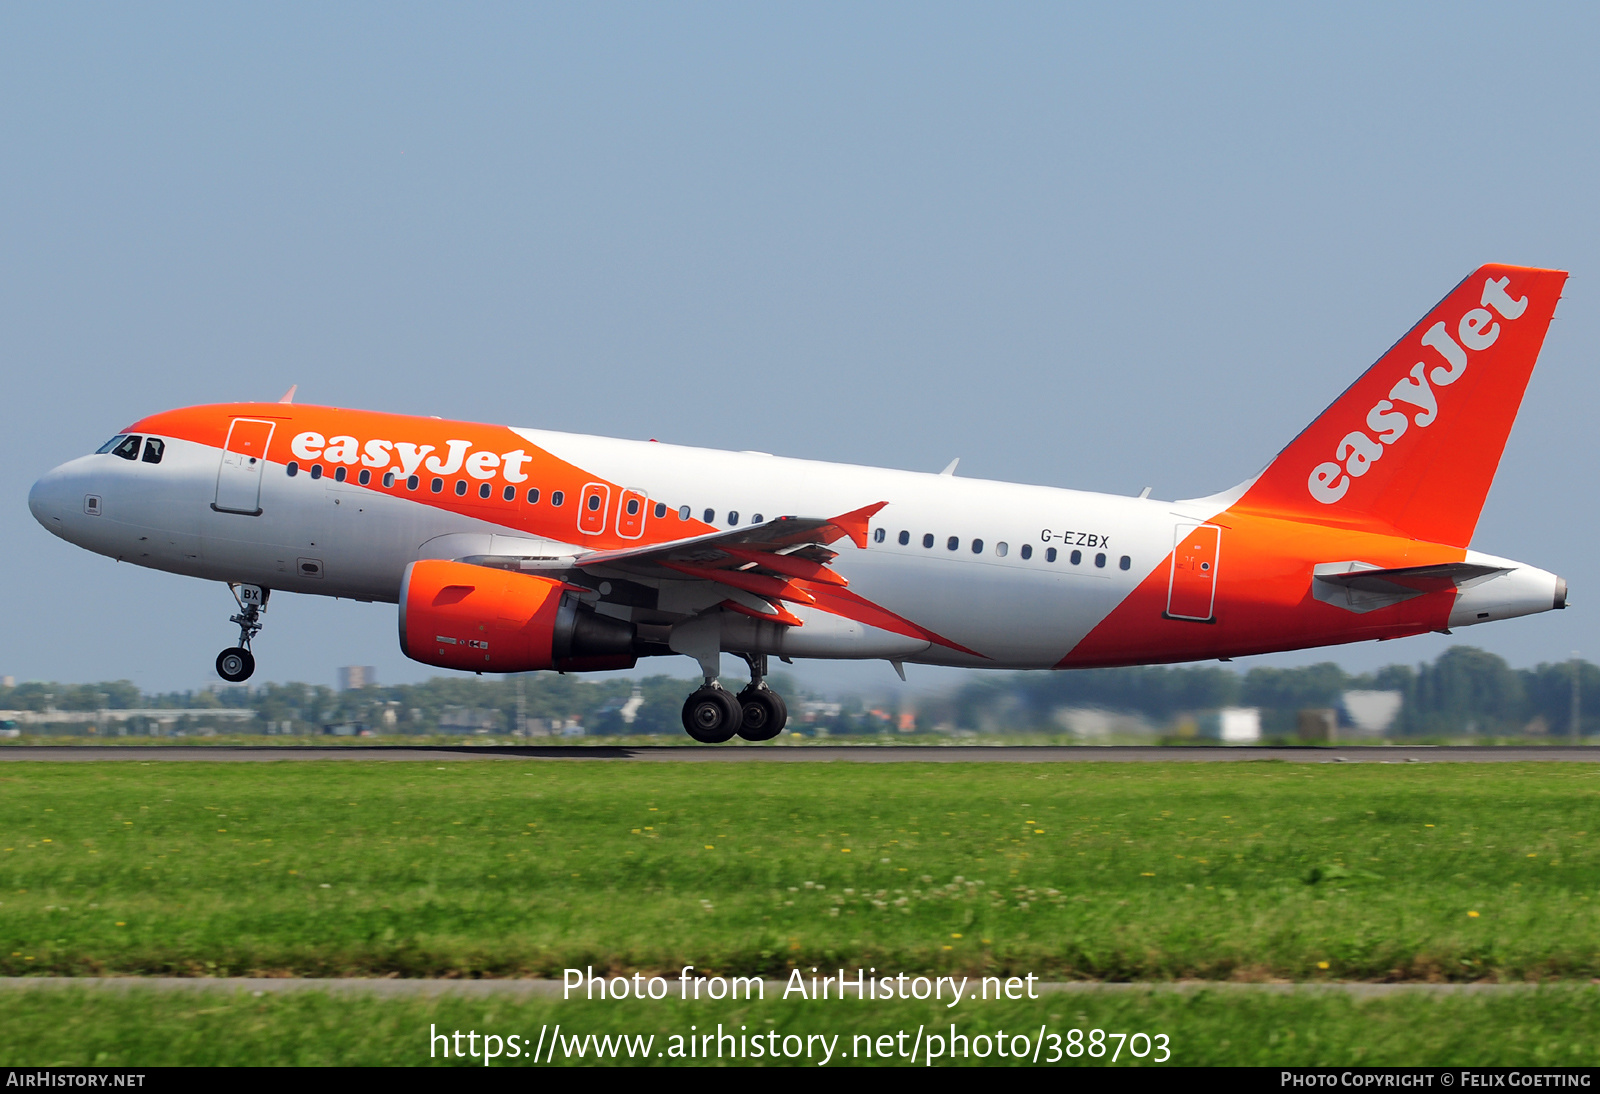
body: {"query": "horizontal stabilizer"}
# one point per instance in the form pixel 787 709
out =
pixel 1361 587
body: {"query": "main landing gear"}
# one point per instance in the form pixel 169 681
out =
pixel 713 715
pixel 236 665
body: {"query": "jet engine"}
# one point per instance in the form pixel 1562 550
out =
pixel 481 619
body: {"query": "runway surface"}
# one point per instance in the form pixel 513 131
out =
pixel 772 989
pixel 806 753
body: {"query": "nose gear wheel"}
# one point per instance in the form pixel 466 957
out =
pixel 235 665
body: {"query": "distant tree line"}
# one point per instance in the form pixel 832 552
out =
pixel 1465 690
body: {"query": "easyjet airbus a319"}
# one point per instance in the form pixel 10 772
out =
pixel 509 550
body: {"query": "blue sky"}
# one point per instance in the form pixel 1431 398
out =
pixel 1098 247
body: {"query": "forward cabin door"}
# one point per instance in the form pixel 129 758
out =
pixel 243 458
pixel 1192 591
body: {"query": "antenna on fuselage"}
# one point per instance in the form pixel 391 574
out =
pixel 288 396
pixel 951 470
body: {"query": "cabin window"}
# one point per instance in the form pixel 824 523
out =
pixel 1049 554
pixel 557 498
pixel 733 517
pixel 879 536
pixel 594 502
pixel 1100 561
pixel 365 476
pixel 927 540
pixel 339 474
pixel 1077 557
pixel 153 450
pixel 905 537
pixel 710 516
pixel 293 469
pixel 756 519
pixel 977 546
pixel 316 471
pixel 683 512
pixel 1124 562
pixel 461 488
pixel 661 509
pixel 413 482
pixel 533 496
pixel 484 489
pixel 128 449
pixel 633 507
pixel 388 480
pixel 509 494
pixel 953 543
pixel 1001 549
pixel 1027 550
pixel 436 485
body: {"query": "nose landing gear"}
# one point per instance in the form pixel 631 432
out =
pixel 237 664
pixel 711 715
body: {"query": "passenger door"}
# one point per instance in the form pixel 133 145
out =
pixel 244 455
pixel 1192 591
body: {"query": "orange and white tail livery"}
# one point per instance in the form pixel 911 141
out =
pixel 510 549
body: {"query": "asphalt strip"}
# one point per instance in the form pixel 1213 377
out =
pixel 1392 754
pixel 395 987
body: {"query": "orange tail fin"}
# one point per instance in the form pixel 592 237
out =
pixel 1414 443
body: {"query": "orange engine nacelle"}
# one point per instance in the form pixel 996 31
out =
pixel 481 619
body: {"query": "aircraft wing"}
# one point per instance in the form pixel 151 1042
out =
pixel 774 561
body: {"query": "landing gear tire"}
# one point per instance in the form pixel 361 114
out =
pixel 711 716
pixel 235 665
pixel 763 714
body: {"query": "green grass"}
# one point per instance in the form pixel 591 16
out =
pixel 507 868
pixel 1550 1026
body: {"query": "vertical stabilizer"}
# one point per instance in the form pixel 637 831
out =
pixel 1414 443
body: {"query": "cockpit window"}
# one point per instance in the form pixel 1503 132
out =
pixel 109 445
pixel 129 448
pixel 153 448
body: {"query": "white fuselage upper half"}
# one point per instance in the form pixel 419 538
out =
pixel 953 570
pixel 1016 574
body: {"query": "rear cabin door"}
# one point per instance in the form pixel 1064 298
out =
pixel 1192 592
pixel 243 458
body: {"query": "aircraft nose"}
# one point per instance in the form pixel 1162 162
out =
pixel 48 500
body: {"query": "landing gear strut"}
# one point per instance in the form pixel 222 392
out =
pixel 763 713
pixel 712 715
pixel 236 665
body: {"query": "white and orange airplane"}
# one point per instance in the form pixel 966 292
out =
pixel 511 550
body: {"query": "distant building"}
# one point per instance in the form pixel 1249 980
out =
pixel 1232 725
pixel 812 709
pixel 1096 724
pixel 356 677
pixel 630 709
pixel 469 720
pixel 8 681
pixel 1372 712
pixel 626 710
pixel 1317 724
